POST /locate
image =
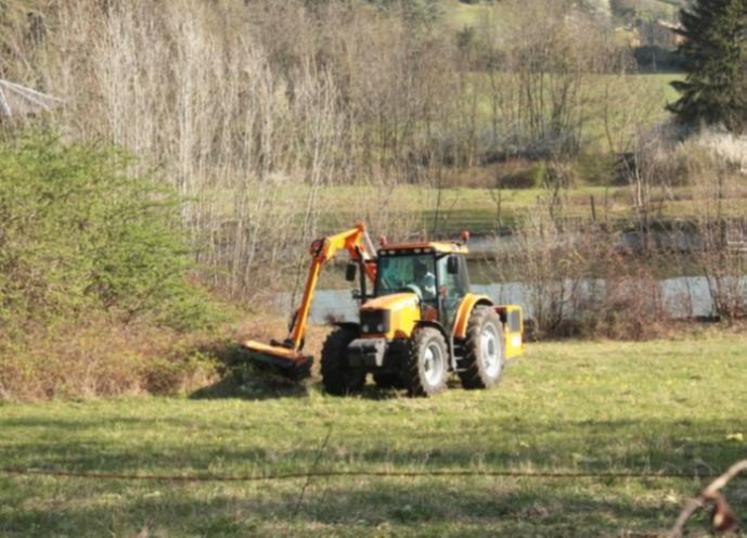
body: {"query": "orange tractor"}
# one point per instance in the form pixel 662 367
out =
pixel 418 321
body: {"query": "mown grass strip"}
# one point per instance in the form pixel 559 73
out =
pixel 351 474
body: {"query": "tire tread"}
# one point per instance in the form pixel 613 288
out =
pixel 472 375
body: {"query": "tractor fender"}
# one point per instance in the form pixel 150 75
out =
pixel 464 311
pixel 435 325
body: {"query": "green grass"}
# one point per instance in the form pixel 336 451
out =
pixel 476 209
pixel 460 15
pixel 599 406
pixel 637 101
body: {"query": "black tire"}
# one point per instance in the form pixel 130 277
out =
pixel 388 380
pixel 480 372
pixel 421 377
pixel 338 377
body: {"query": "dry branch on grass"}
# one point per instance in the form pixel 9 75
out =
pixel 722 518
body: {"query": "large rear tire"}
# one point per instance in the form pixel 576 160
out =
pixel 338 377
pixel 426 368
pixel 484 350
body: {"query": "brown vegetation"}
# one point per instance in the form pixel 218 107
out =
pixel 586 278
pixel 103 358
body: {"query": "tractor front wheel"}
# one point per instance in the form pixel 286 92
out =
pixel 484 350
pixel 338 377
pixel 426 367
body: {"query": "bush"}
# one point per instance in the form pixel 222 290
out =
pixel 101 358
pixel 653 58
pixel 580 280
pixel 78 234
pixel 599 169
pixel 521 174
pixel 94 297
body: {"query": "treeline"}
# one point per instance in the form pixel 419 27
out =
pixel 399 89
pixel 237 103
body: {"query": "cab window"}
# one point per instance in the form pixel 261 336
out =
pixel 453 285
pixel 395 273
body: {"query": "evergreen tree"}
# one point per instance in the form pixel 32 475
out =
pixel 714 53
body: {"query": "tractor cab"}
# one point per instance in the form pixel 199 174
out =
pixel 435 272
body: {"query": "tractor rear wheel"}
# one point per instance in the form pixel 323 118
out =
pixel 484 350
pixel 426 367
pixel 338 377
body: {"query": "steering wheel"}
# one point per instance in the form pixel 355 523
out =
pixel 414 288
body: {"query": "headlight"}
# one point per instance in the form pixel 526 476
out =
pixel 380 328
pixel 365 327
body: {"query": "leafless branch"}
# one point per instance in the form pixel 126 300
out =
pixel 706 496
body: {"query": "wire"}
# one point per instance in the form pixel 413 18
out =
pixel 342 474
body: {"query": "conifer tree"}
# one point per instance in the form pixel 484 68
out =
pixel 714 53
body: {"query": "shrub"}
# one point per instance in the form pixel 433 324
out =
pixel 101 358
pixel 580 280
pixel 521 174
pixel 599 169
pixel 79 234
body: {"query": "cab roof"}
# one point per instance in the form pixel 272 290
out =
pixel 424 248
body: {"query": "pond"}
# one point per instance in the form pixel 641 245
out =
pixel 681 298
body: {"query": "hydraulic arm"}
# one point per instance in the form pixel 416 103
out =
pixel 287 354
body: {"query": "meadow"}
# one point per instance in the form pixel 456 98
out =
pixel 484 210
pixel 664 406
pixel 462 14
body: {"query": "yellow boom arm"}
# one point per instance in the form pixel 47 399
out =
pixel 357 243
pixel 287 354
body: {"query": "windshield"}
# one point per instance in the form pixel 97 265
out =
pixel 398 273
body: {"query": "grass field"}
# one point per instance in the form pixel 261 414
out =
pixel 477 209
pixel 461 14
pixel 668 405
pixel 650 92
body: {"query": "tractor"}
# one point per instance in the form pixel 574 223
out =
pixel 418 321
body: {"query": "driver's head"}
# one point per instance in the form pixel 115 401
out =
pixel 420 269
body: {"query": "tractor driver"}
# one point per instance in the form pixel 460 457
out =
pixel 425 280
